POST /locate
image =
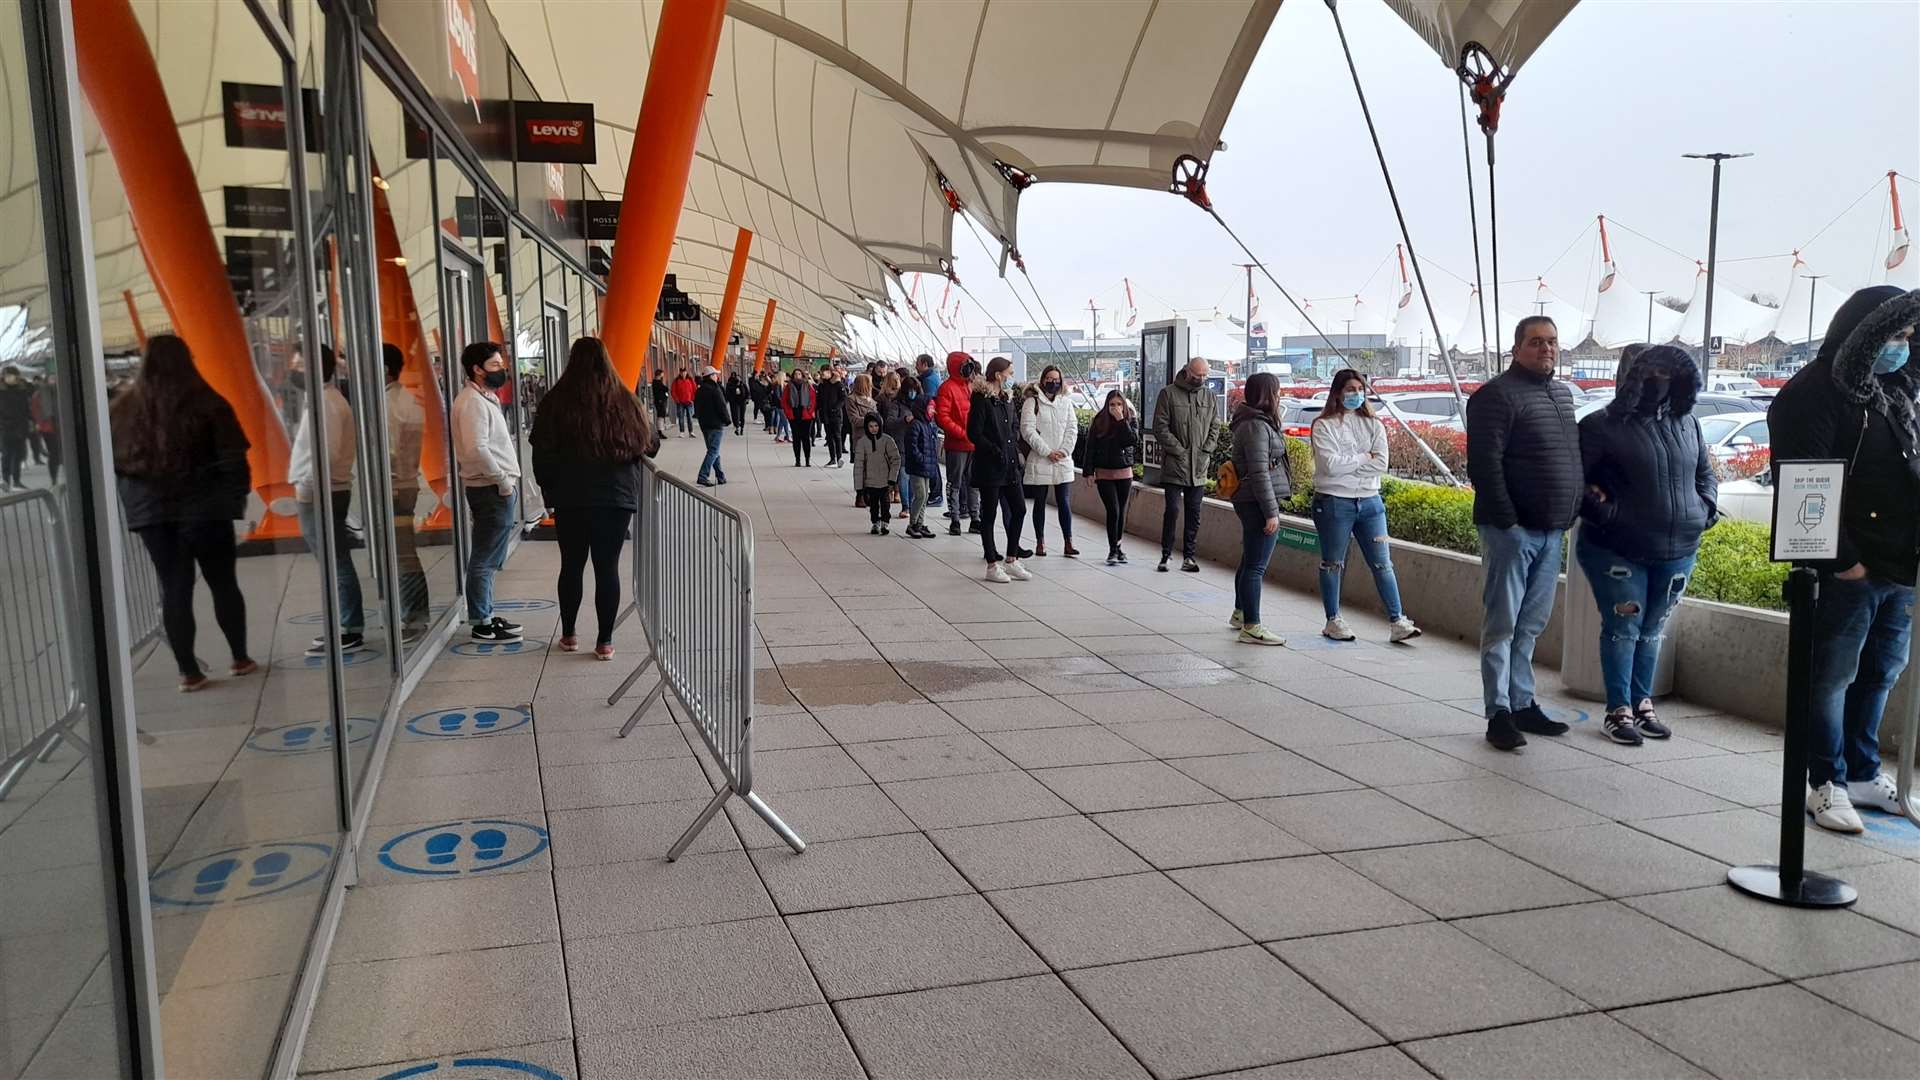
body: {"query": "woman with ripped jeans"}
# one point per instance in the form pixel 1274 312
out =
pixel 1651 492
pixel 1349 458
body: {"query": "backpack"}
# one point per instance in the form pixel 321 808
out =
pixel 1226 481
pixel 1080 451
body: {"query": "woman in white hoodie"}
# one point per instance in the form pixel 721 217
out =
pixel 1049 426
pixel 1349 458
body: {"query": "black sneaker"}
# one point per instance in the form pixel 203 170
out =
pixel 1618 726
pixel 348 643
pixel 1534 721
pixel 503 624
pixel 706 483
pixel 1113 558
pixel 492 632
pixel 953 526
pixel 1187 564
pixel 1502 734
pixel 873 529
pixel 1162 568
pixel 1649 723
pixel 885 531
pixel 973 527
pixel 1121 553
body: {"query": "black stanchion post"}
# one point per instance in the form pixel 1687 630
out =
pixel 1790 882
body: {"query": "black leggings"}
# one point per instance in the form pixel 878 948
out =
pixel 1010 501
pixel 599 531
pixel 13 455
pixel 802 441
pixel 1062 501
pixel 1113 496
pixel 175 548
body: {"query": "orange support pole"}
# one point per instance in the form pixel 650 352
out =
pixel 833 352
pixel 663 144
pixel 723 326
pixel 133 312
pixel 122 84
pixel 400 325
pixel 799 346
pixel 766 334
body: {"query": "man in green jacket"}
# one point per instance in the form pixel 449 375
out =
pixel 1186 425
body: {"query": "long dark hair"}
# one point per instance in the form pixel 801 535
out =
pixel 1262 395
pixel 1103 421
pixel 1335 407
pixel 589 411
pixel 156 421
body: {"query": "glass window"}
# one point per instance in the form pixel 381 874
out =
pixel 1715 429
pixel 538 361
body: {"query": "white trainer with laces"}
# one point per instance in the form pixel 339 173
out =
pixel 1833 810
pixel 1237 621
pixel 1879 793
pixel 1402 629
pixel 1337 629
pixel 997 573
pixel 1016 571
pixel 1259 635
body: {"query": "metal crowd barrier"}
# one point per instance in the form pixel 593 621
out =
pixel 693 591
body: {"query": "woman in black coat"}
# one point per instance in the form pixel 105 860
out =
pixel 993 428
pixel 737 402
pixel 1113 439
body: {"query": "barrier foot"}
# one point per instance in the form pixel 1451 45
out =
pixel 773 822
pixel 1806 889
pixel 13 774
pixel 713 807
pixel 659 691
pixel 632 677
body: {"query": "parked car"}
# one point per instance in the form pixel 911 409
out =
pixel 1298 416
pixel 1728 435
pixel 1704 406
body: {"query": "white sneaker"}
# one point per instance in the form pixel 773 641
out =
pixel 1832 809
pixel 1402 630
pixel 1237 621
pixel 997 573
pixel 1879 793
pixel 1337 629
pixel 1259 635
pixel 1016 571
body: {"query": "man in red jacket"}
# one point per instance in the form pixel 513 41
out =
pixel 950 408
pixel 683 388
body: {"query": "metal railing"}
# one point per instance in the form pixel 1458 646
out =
pixel 693 591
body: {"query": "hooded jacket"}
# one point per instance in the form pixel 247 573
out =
pixel 710 406
pixel 1048 424
pixel 1836 407
pixel 876 459
pixel 660 394
pixel 683 390
pixel 833 398
pixel 1523 452
pixel 1260 457
pixel 897 412
pixel 952 403
pixel 1646 454
pixel 921 446
pixel 993 429
pixel 737 395
pixel 1186 425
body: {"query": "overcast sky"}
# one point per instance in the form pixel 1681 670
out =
pixel 1825 94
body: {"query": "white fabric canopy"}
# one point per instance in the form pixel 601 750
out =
pixel 1621 317
pixel 1805 297
pixel 1509 29
pixel 1736 320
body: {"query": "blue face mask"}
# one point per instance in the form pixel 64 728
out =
pixel 1353 401
pixel 1892 357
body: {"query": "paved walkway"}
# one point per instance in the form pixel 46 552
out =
pixel 1070 828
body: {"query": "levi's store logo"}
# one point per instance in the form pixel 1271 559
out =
pixel 250 114
pixel 554 131
pixel 571 132
pixel 463 51
pixel 255 115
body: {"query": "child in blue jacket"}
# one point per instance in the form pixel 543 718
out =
pixel 922 453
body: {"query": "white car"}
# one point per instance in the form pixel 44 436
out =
pixel 1729 435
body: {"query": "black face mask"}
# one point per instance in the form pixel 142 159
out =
pixel 495 379
pixel 1051 388
pixel 1654 393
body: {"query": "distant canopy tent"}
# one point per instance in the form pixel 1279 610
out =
pixel 1736 319
pixel 1509 30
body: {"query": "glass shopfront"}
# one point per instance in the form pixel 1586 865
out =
pixel 245 242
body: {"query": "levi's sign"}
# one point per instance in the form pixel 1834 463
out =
pixel 255 114
pixel 463 51
pixel 554 131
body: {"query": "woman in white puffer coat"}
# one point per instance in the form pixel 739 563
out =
pixel 1049 426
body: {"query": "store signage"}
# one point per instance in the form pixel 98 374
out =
pixel 599 218
pixel 258 208
pixel 475 218
pixel 1806 509
pixel 554 131
pixel 463 51
pixel 599 260
pixel 255 115
pixel 253 267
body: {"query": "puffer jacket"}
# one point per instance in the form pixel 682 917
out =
pixel 1186 425
pixel 1523 452
pixel 1651 463
pixel 213 489
pixel 1048 424
pixel 1116 449
pixel 991 428
pixel 1260 457
pixel 1836 407
pixel 896 415
pixel 876 461
pixel 922 447
pixel 952 404
pixel 833 399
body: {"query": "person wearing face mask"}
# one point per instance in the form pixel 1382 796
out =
pixel 16 422
pixel 1049 427
pixel 995 468
pixel 1856 402
pixel 1113 441
pixel 490 471
pixel 1349 458
pixel 1650 494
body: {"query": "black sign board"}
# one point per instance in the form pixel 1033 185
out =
pixel 674 305
pixel 259 208
pixel 500 260
pixel 599 260
pixel 253 267
pixel 255 114
pixel 559 131
pixel 471 216
pixel 599 218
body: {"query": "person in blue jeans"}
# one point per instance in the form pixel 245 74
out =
pixel 1260 457
pixel 1856 402
pixel 483 447
pixel 1650 493
pixel 1349 458
pixel 711 412
pixel 1523 455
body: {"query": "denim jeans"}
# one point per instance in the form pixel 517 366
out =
pixel 413 575
pixel 1176 496
pixel 1338 520
pixel 1256 548
pixel 346 583
pixel 1522 573
pixel 711 463
pixel 964 502
pixel 1859 650
pixel 1635 599
pixel 1063 502
pixel 492 531
pixel 683 416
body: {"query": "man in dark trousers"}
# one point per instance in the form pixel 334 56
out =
pixel 1523 454
pixel 16 423
pixel 832 391
pixel 661 394
pixel 737 402
pixel 1186 424
pixel 710 410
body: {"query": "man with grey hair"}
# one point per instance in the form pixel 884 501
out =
pixel 1186 425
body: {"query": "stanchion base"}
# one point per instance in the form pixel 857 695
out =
pixel 1811 890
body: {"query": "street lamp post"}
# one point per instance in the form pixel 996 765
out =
pixel 1713 242
pixel 1813 287
pixel 1649 294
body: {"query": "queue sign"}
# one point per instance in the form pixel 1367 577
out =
pixel 1806 509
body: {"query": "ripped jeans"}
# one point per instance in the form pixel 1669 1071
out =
pixel 1635 599
pixel 1338 520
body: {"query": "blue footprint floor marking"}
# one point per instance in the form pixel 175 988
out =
pixel 469 720
pixel 476 1068
pixel 242 873
pixel 463 847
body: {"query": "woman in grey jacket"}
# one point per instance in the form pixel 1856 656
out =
pixel 1260 459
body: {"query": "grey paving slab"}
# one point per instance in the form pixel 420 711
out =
pixel 1340 692
pixel 916 945
pixel 1885 994
pixel 1176 836
pixel 1130 706
pixel 1794 942
pixel 1379 1063
pixel 1042 712
pixel 924 758
pixel 1269 773
pixel 647 742
pixel 1589 738
pixel 1746 779
pixel 1743 836
pixel 1041 852
pixel 1300 897
pixel 859 723
pixel 690 973
pixel 1198 736
pixel 611 834
pixel 1391 762
pixel 787 1044
pixel 1458 878
pixel 1209 1012
pixel 425 1006
pixel 1775 1033
pixel 1083 744
pixel 805 769
pixel 1539 755
pixel 1419 719
pixel 1740 735
pixel 1108 920
pixel 1304 725
pixel 1493 805
pixel 455 757
pixel 1131 785
pixel 1625 794
pixel 1412 982
pixel 574 787
pixel 1615 860
pixel 981 799
pixel 433 798
pixel 1574 1048
pixel 840 813
pixel 1350 820
pixel 850 873
pixel 456 915
pixel 1016 1029
pixel 1889 892
pixel 653 894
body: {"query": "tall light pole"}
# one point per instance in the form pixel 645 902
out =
pixel 1248 267
pixel 1713 241
pixel 1813 288
pixel 1650 294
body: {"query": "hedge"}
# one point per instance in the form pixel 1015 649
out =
pixel 1734 567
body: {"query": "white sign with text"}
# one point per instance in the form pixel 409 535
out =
pixel 1806 510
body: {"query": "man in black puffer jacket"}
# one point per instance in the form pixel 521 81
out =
pixel 1856 402
pixel 1523 454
